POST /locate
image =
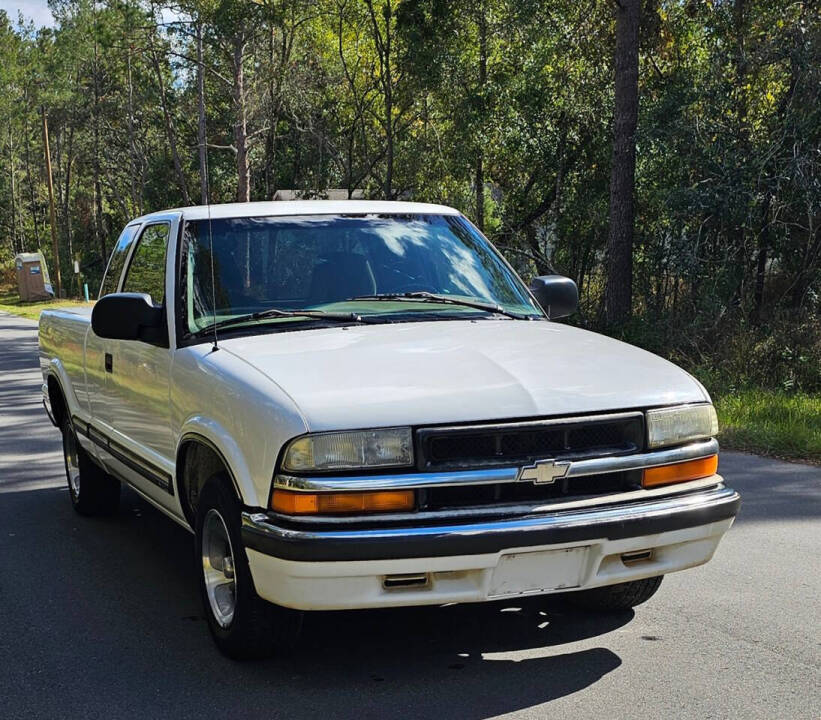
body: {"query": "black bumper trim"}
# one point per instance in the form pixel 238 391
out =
pixel 132 461
pixel 613 522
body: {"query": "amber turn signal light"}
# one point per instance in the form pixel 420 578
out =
pixel 680 472
pixel 302 503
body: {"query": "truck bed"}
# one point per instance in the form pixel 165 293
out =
pixel 62 335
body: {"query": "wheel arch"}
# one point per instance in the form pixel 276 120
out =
pixel 199 456
pixel 57 399
pixel 61 389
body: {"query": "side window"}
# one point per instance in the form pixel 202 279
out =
pixel 115 264
pixel 146 273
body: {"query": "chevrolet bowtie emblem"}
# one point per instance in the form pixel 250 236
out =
pixel 544 472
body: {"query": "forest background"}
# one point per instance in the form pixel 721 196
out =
pixel 662 153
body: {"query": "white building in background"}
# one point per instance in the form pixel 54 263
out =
pixel 329 194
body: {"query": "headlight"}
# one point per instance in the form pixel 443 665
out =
pixel 677 425
pixel 349 450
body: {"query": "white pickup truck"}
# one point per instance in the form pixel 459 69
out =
pixel 359 404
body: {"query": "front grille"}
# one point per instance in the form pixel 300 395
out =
pixel 508 444
pixel 564 489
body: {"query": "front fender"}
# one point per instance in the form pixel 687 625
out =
pixel 212 433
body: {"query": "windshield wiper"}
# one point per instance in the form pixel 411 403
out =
pixel 424 296
pixel 273 312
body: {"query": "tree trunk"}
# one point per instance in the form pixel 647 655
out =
pixel 132 145
pixel 170 133
pixel 16 243
pixel 64 192
pixel 740 69
pixel 240 124
pixel 737 232
pixel 619 282
pixel 32 197
pixel 55 247
pixel 67 193
pixel 480 192
pixel 59 173
pixel 383 48
pixel 536 254
pixel 98 192
pixel 480 170
pixel 761 262
pixel 808 267
pixel 388 84
pixel 269 135
pixel 201 137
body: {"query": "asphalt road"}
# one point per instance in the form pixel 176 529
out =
pixel 101 619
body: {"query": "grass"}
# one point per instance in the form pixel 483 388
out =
pixel 10 302
pixel 772 422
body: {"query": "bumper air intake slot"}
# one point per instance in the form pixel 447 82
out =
pixel 406 581
pixel 636 557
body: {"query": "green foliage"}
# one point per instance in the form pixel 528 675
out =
pixel 733 355
pixel 501 109
pixel 772 422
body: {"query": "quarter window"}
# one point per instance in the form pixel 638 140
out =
pixel 146 273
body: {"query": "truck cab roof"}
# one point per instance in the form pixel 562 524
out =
pixel 303 207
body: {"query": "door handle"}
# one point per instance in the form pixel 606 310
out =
pixel 109 362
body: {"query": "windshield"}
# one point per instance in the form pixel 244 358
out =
pixel 329 262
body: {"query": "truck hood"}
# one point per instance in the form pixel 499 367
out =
pixel 458 371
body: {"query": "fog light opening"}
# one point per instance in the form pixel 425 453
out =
pixel 406 580
pixel 636 557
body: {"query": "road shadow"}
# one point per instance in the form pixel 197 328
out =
pixel 30 447
pixel 103 618
pixel 19 348
pixel 119 597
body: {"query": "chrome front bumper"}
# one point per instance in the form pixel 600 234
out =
pixel 265 534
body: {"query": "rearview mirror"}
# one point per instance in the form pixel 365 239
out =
pixel 558 295
pixel 129 316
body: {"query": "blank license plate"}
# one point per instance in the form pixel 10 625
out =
pixel 539 571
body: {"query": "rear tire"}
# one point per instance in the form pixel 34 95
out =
pixel 611 598
pixel 92 490
pixel 243 625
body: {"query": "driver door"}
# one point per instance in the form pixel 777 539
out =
pixel 137 379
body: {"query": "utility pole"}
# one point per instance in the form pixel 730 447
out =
pixel 52 212
pixel 18 247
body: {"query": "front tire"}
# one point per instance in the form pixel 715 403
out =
pixel 243 625
pixel 612 598
pixel 92 490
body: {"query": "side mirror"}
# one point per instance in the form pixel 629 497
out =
pixel 129 316
pixel 558 295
